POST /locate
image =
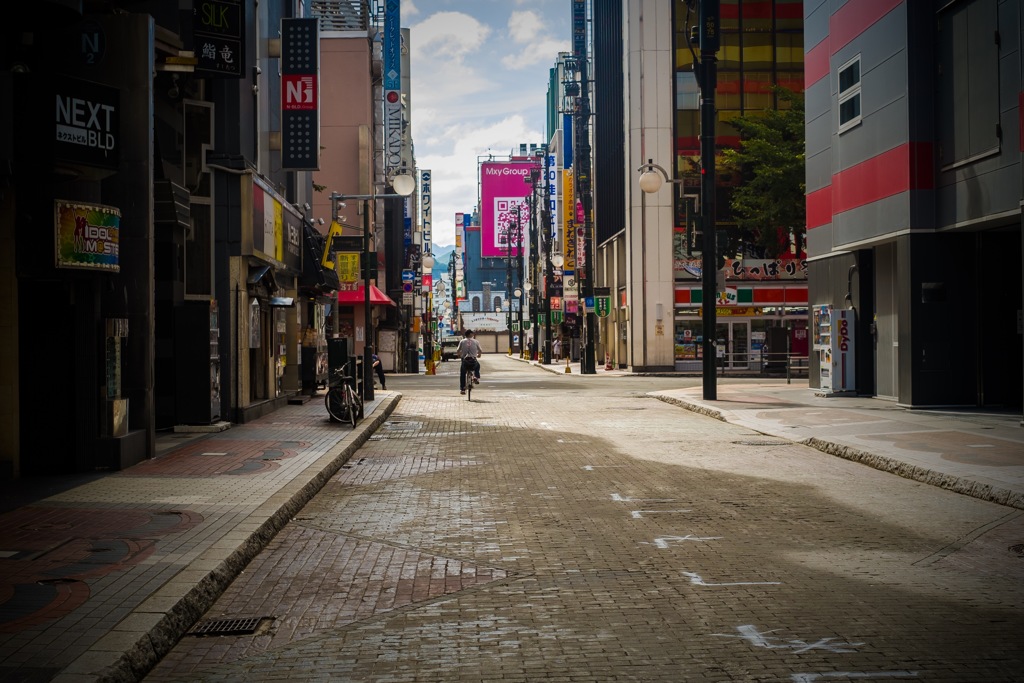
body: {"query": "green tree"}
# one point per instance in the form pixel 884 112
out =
pixel 769 202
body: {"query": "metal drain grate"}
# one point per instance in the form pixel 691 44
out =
pixel 227 627
pixel 1018 548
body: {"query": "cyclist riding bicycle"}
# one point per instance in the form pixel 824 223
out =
pixel 469 351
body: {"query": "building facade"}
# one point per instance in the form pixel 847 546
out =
pixel 648 246
pixel 163 264
pixel 914 191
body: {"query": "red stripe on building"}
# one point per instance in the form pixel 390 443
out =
pixel 682 296
pixel 922 169
pixel 851 20
pixel 819 207
pixel 816 63
pixel 1020 118
pixel 908 167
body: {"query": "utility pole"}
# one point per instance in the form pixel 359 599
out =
pixel 583 185
pixel 708 77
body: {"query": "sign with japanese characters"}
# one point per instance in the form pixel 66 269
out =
pixel 218 27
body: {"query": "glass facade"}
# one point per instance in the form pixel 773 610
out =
pixel 762 46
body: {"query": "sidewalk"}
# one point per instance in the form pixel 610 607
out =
pixel 972 452
pixel 97 582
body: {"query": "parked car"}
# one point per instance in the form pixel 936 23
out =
pixel 448 347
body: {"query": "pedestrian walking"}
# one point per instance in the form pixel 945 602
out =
pixel 556 348
pixel 378 367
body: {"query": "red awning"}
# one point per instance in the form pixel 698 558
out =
pixel 354 297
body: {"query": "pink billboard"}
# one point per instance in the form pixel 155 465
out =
pixel 504 188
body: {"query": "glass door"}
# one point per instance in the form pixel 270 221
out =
pixel 733 343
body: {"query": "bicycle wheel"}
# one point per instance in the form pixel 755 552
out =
pixel 335 403
pixel 352 405
pixel 469 386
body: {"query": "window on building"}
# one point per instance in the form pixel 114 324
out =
pixel 476 304
pixel 849 94
pixel 968 82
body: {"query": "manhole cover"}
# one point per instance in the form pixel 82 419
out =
pixel 760 443
pixel 227 627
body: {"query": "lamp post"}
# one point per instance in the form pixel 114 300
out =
pixel 531 300
pixel 534 251
pixel 403 185
pixel 519 297
pixel 426 264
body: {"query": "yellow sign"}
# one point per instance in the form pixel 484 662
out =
pixel 568 227
pixel 347 266
pixel 335 231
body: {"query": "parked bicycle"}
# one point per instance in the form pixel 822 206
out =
pixel 343 404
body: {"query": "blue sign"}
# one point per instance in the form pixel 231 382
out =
pixel 392 45
pixel 408 275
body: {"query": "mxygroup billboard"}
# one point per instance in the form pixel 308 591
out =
pixel 504 212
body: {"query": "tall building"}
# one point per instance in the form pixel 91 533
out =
pixel 646 103
pixel 914 194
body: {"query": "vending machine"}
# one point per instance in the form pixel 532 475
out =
pixel 833 342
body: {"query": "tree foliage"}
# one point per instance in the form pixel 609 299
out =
pixel 769 202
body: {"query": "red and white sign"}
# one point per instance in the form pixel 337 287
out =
pixel 299 92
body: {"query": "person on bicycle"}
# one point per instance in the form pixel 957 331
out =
pixel 469 351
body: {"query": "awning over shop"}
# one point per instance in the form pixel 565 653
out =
pixel 357 296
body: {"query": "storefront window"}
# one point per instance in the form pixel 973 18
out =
pixel 688 339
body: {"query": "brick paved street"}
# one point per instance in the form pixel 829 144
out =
pixel 567 528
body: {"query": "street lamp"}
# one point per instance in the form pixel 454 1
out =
pixel 519 296
pixel 426 264
pixel 528 288
pixel 403 185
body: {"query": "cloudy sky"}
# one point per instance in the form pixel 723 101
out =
pixel 479 85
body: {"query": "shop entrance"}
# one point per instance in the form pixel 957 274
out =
pixel 734 337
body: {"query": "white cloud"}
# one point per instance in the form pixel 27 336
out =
pixel 479 81
pixel 524 26
pixel 539 47
pixel 454 170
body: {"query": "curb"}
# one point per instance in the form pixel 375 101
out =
pixel 150 631
pixel 966 487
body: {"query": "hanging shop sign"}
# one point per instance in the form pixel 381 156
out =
pixel 218 27
pixel 300 94
pixel 87 236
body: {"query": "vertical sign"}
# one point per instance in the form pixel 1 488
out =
pixel 426 215
pixel 552 193
pixel 218 29
pixel 300 94
pixel 568 213
pixel 579 28
pixel 392 85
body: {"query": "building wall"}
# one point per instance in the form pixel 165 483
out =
pixel 649 111
pixel 922 197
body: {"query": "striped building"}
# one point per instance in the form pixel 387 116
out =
pixel 914 193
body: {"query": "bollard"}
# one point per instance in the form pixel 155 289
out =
pixel 568 370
